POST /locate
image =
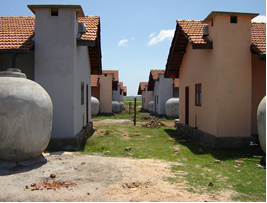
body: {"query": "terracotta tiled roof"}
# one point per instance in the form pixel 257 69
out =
pixel 124 90
pixel 193 30
pixel 155 73
pixel 176 82
pixel 17 32
pixel 152 77
pixel 120 84
pixel 141 87
pixel 91 23
pixel 94 81
pixel 114 72
pixel 258 37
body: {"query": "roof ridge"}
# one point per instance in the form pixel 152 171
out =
pixel 92 16
pixel 17 16
pixel 258 22
pixel 189 20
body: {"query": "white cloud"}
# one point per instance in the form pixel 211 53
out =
pixel 152 34
pixel 164 34
pixel 133 38
pixel 259 19
pixel 123 42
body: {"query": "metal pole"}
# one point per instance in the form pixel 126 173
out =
pixel 134 111
pixel 130 107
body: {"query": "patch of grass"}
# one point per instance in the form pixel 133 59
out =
pixel 195 163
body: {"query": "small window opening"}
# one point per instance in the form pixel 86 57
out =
pixel 211 22
pixel 233 19
pixel 106 75
pixel 54 12
pixel 198 99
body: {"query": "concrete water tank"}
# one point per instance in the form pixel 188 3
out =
pixel 94 106
pixel 116 107
pixel 150 106
pixel 25 117
pixel 261 120
pixel 122 106
pixel 172 108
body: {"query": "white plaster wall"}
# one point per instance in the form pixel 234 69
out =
pixel 55 42
pixel 116 94
pixel 165 92
pixel 148 97
pixel 82 73
pixel 155 96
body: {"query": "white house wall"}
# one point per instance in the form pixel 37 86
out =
pixel 116 94
pixel 165 92
pixel 82 73
pixel 55 45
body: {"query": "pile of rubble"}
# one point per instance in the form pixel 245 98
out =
pixel 50 185
pixel 153 124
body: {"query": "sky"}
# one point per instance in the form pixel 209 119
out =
pixel 136 35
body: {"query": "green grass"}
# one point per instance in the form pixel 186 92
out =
pixel 199 169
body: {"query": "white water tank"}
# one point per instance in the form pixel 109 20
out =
pixel 150 106
pixel 116 107
pixel 261 120
pixel 172 108
pixel 26 113
pixel 122 106
pixel 94 106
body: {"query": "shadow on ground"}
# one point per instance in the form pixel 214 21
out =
pixel 217 153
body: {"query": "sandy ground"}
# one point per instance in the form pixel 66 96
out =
pixel 80 177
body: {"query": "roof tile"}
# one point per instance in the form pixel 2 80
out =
pixel 17 32
pixel 114 72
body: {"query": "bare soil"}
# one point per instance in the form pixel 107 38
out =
pixel 73 176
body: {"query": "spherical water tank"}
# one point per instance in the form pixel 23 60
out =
pixel 261 120
pixel 116 108
pixel 150 106
pixel 94 106
pixel 26 113
pixel 172 108
pixel 122 106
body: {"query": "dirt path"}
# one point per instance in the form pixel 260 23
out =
pixel 80 177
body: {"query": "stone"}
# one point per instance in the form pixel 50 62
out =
pixel 217 161
pixel 52 175
pixel 128 148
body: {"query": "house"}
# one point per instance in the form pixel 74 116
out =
pixel 123 91
pixel 221 64
pixel 162 90
pixel 147 96
pixel 59 48
pixel 106 88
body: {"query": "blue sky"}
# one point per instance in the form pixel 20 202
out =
pixel 136 34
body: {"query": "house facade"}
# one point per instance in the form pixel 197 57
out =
pixel 60 51
pixel 221 66
pixel 147 96
pixel 107 88
pixel 162 90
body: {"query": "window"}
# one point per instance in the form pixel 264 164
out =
pixel 233 19
pixel 54 12
pixel 82 93
pixel 211 22
pixel 198 95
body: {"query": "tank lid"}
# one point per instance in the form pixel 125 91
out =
pixel 12 72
